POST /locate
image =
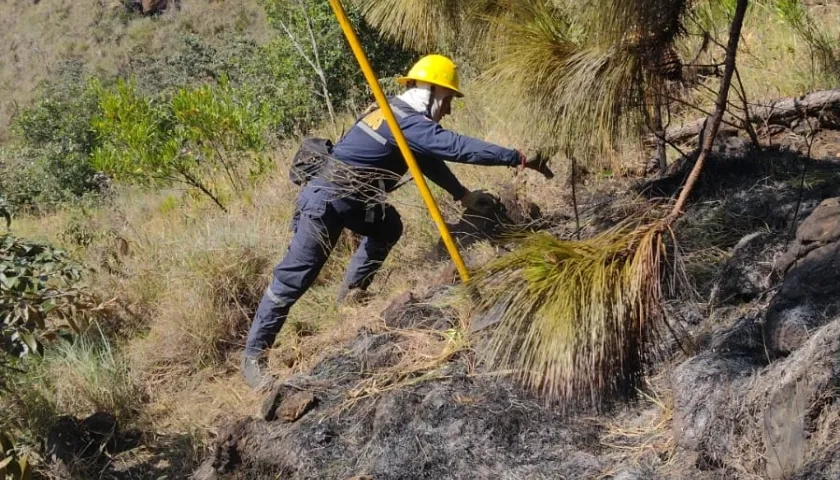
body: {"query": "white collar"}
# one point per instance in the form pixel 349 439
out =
pixel 417 98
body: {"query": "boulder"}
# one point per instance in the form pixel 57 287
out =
pixel 820 228
pixel 807 299
pixel 296 406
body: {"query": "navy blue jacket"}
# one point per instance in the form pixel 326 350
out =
pixel 369 143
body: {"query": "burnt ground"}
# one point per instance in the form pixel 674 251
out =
pixel 755 398
pixel 754 395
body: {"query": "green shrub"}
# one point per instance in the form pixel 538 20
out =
pixel 209 138
pixel 39 285
pixel 51 164
pixel 265 74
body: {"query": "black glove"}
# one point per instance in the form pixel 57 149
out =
pixel 479 201
pixel 539 162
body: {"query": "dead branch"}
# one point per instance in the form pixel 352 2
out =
pixel 778 112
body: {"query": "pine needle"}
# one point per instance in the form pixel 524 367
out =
pixel 580 318
pixel 417 24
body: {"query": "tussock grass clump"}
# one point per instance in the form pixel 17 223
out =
pixel 579 319
pixel 205 313
pixel 89 375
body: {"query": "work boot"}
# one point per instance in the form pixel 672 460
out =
pixel 254 371
pixel 353 297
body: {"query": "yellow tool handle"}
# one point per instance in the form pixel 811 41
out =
pixel 370 76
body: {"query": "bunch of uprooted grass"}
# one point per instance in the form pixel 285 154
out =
pixel 576 315
pixel 579 319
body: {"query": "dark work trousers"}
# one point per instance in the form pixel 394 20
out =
pixel 320 216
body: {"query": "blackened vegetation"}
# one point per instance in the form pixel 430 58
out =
pixel 754 394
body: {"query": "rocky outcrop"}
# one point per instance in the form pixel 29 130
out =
pixel 808 297
pixel 739 397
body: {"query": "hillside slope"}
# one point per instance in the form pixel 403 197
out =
pixel 103 35
pixel 754 397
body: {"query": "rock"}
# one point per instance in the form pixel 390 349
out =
pixel 823 225
pixel 296 406
pixel 394 311
pixel 807 298
pixel 272 401
pixel 818 229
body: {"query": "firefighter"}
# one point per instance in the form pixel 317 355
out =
pixel 349 195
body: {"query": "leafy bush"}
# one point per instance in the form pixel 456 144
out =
pixel 52 165
pixel 209 138
pixel 266 74
pixel 37 282
pixel 11 464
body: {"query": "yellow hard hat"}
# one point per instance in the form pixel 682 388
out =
pixel 435 69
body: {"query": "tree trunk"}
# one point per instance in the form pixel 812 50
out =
pixel 661 152
pixel 720 107
pixel 314 61
pixel 777 112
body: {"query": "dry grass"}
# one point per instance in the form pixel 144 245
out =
pixel 646 438
pixel 91 376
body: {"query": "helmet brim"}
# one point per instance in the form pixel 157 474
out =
pixel 404 81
